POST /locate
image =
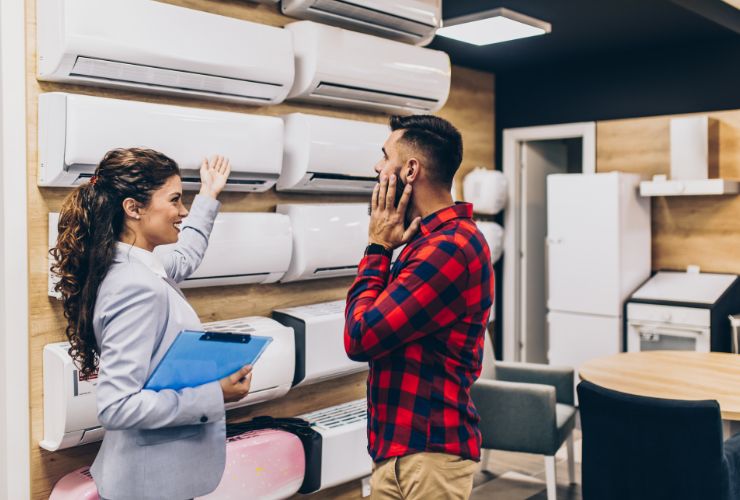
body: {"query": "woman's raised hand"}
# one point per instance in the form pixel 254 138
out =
pixel 213 175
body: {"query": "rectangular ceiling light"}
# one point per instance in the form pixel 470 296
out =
pixel 492 26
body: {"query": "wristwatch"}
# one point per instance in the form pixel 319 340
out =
pixel 376 248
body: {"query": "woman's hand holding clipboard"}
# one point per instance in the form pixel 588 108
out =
pixel 236 386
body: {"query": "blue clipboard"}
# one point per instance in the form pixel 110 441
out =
pixel 196 358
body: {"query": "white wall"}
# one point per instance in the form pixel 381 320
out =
pixel 14 416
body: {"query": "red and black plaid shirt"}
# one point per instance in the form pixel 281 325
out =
pixel 421 327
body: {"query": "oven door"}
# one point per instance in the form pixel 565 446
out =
pixel 654 336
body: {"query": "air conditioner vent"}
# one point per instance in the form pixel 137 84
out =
pixel 339 183
pixel 245 182
pixel 350 93
pixel 411 21
pixel 335 269
pixel 167 79
pixel 224 276
pixel 373 18
pixel 337 416
pixel 234 325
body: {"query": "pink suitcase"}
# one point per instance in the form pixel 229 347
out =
pixel 263 464
pixel 77 485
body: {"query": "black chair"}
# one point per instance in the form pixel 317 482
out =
pixel 641 448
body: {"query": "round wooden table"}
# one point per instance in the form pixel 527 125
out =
pixel 684 375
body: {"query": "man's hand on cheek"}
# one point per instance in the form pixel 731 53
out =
pixel 387 221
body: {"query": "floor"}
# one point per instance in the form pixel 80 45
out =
pixel 509 476
pixel 521 476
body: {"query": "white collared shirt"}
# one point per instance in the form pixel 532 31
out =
pixel 144 256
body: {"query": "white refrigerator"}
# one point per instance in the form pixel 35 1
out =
pixel 598 248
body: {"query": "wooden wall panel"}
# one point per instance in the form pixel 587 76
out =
pixel 686 230
pixel 470 108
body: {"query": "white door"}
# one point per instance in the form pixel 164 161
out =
pixel 583 244
pixel 581 158
pixel 539 160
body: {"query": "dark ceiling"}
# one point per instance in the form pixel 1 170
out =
pixel 586 29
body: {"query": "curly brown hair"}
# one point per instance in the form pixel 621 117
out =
pixel 91 221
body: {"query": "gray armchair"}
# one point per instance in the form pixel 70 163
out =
pixel 526 408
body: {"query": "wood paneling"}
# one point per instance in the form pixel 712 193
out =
pixel 470 108
pixel 467 108
pixel 686 230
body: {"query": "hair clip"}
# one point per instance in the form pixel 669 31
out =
pixel 93 180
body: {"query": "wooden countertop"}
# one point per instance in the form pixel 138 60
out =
pixel 684 375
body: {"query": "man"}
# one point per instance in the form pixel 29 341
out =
pixel 421 323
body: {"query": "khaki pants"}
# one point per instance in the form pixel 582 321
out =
pixel 423 476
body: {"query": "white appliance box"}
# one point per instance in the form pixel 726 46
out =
pixel 328 239
pixel 272 374
pixel 163 49
pixel 683 311
pixel 244 248
pixel 412 21
pixel 324 154
pixel 319 341
pixel 577 338
pixel 75 131
pixel 345 68
pixel 598 241
pixel 343 431
pixel 70 408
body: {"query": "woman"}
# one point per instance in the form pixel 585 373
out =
pixel 123 311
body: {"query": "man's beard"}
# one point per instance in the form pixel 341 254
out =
pixel 400 186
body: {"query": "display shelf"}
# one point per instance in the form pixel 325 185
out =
pixel 689 187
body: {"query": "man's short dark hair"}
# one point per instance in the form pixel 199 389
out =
pixel 437 139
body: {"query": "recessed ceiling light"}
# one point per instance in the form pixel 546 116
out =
pixel 493 26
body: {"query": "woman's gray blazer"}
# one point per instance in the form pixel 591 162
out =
pixel 158 445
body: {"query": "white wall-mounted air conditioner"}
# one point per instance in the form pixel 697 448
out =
pixel 70 409
pixel 272 375
pixel 319 341
pixel 244 248
pixel 334 155
pixel 75 131
pixel 413 21
pixel 341 67
pixel 157 47
pixel 343 431
pixel 328 239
